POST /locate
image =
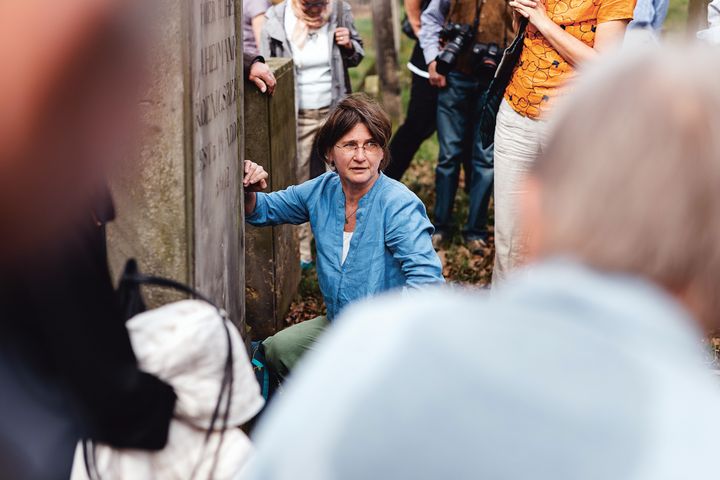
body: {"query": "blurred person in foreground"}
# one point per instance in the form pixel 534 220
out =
pixel 372 233
pixel 560 38
pixel 67 368
pixel 321 38
pixel 589 365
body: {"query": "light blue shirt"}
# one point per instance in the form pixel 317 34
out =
pixel 390 248
pixel 565 374
pixel 649 14
pixel 432 21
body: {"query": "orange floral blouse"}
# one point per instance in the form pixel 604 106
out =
pixel 541 72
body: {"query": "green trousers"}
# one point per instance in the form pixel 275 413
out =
pixel 284 349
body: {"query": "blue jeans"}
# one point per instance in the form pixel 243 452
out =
pixel 458 130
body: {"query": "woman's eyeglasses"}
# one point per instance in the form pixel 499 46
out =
pixel 315 4
pixel 371 149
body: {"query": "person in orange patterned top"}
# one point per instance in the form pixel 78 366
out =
pixel 561 34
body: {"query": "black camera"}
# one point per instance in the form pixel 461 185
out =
pixel 456 37
pixel 486 57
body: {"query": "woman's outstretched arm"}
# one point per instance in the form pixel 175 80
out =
pixel 254 180
pixel 276 208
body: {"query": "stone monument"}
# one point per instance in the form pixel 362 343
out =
pixel 180 209
pixel 272 259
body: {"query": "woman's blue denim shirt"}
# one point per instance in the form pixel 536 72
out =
pixel 390 248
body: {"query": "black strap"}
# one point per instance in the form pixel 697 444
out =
pixel 511 55
pixel 90 460
pixel 478 10
pixel 141 279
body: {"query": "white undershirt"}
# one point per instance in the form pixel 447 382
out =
pixel 313 75
pixel 347 236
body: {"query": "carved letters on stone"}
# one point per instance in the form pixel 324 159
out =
pixel 216 91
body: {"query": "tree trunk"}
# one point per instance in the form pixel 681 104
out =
pixel 697 16
pixel 387 60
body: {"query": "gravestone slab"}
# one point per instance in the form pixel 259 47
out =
pixel 272 261
pixel 179 209
pixel 216 90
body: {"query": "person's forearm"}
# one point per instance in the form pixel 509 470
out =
pixel 248 60
pixel 412 9
pixel 250 203
pixel 574 51
pixel 257 25
pixel 432 20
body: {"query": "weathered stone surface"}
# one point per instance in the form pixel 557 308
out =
pixel 217 137
pixel 272 260
pixel 179 211
pixel 152 222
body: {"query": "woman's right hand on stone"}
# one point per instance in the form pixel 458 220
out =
pixel 255 178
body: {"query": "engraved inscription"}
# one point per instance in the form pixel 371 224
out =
pixel 216 93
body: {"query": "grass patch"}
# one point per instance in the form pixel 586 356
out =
pixel 676 20
pixel 357 74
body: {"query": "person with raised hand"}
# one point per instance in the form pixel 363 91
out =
pixel 372 233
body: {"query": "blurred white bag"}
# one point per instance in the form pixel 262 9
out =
pixel 711 35
pixel 186 345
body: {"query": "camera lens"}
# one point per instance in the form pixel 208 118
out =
pixel 486 58
pixel 456 36
pixel 445 62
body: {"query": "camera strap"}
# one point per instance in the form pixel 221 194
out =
pixel 478 10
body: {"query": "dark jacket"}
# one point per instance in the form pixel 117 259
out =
pixel 61 326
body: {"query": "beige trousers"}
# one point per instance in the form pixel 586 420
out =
pixel 309 122
pixel 518 140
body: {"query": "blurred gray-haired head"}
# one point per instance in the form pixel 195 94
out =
pixel 630 179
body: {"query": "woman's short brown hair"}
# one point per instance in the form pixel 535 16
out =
pixel 349 112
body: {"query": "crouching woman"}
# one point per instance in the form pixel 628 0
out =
pixel 372 234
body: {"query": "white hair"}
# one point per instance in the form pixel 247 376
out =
pixel 631 175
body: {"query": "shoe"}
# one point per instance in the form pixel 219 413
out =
pixel 305 265
pixel 439 239
pixel 476 246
